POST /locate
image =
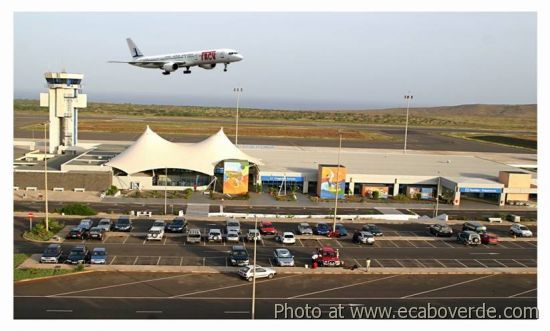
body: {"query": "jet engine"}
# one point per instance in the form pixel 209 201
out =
pixel 208 66
pixel 170 67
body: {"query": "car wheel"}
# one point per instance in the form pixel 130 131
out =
pixel 270 276
pixel 249 279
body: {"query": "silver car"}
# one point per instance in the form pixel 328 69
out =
pixel 105 224
pixel 215 235
pixel 99 256
pixel 261 272
pixel 283 257
pixel 233 225
pixel 305 229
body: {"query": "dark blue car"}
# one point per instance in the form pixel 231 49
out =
pixel 341 230
pixel 322 229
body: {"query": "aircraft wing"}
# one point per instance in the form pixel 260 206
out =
pixel 159 63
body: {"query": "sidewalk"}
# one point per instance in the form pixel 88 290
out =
pixel 33 263
pixel 256 200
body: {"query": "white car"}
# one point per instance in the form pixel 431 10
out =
pixel 305 229
pixel 520 230
pixel 261 272
pixel 233 236
pixel 363 237
pixel 287 238
pixel 215 235
pixel 253 233
pixel 233 225
pixel 105 224
pixel 156 232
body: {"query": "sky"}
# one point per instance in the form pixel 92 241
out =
pixel 294 60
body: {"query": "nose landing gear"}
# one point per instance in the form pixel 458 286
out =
pixel 187 71
pixel 225 67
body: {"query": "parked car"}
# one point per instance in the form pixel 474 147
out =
pixel 177 225
pixel 215 235
pixel 327 257
pixel 86 224
pixel 283 257
pixel 261 272
pixel 194 235
pixel 267 227
pixel 322 229
pixel 78 255
pixel 520 230
pixel 363 237
pixel 99 256
pixel 52 254
pixel 156 232
pixel 123 224
pixel 489 238
pixel 233 225
pixel 105 224
pixel 96 233
pixel 469 237
pixel 340 231
pixel 372 228
pixel 441 230
pixel 233 236
pixel 286 238
pixel 304 229
pixel 238 256
pixel 253 233
pixel 77 233
pixel 474 226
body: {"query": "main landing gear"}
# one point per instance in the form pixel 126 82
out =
pixel 187 71
pixel 165 73
pixel 225 66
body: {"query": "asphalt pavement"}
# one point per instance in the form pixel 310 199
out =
pixel 119 295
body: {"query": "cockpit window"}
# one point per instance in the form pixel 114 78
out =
pixel 233 53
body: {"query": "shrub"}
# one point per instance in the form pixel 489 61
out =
pixel 401 197
pixel 77 209
pixel 258 187
pixel 418 196
pixel 187 193
pixel 375 195
pixel 112 190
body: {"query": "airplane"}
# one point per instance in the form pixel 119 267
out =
pixel 171 62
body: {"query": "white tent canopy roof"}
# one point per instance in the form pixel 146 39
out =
pixel 151 151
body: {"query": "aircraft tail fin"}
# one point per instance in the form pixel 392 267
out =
pixel 134 51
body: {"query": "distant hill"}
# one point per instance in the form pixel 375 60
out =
pixel 478 110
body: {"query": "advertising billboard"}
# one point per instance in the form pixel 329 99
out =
pixel 367 191
pixel 331 182
pixel 235 177
pixel 426 193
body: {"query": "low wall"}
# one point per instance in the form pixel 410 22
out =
pixel 90 181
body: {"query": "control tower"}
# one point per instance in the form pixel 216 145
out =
pixel 63 99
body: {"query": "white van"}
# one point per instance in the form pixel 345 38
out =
pixel 194 236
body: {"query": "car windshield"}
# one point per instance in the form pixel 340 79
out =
pixel 215 231
pixel 99 253
pixel 267 225
pixel 177 222
pixel 322 225
pixel 289 235
pixel 239 253
pixel 522 227
pixel 103 222
pixel 158 224
pixel 232 224
pixel 283 253
pixel 123 221
pixel 50 250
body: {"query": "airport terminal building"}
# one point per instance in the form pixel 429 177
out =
pixel 154 163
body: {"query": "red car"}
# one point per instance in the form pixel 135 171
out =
pixel 267 227
pixel 489 238
pixel 327 257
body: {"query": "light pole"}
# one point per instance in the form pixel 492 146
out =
pixel 408 97
pixel 46 150
pixel 337 183
pixel 253 310
pixel 165 184
pixel 437 194
pixel 237 90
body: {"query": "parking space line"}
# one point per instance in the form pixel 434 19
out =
pixel 144 241
pixel 444 287
pixel 135 261
pixel 444 266
pixel 401 264
pixel 117 285
pixel 465 266
pixel 338 242
pixel 319 242
pixel 526 242
pixel 423 266
pixel 412 244
pixel 204 262
pixel 114 258
pixel 446 243
pixel 158 261
pixel 520 263
pixel 301 243
pixel 125 239
pixel 396 245
pixel 341 287
pixel 181 261
pixel 481 263
pixel 164 242
pixel 515 245
pixel 520 293
pixel 270 263
pixel 359 264
pixel 233 286
pixel 502 264
pixel 428 242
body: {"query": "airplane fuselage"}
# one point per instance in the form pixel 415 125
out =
pixel 189 59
